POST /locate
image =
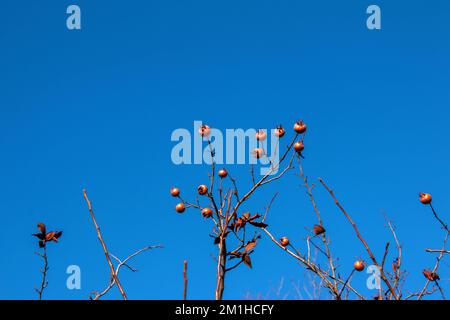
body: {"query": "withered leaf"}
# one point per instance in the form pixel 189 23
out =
pixel 246 215
pixel 49 236
pixel 432 276
pixel 250 245
pixel 318 229
pixel 40 236
pixel 259 224
pixel 240 223
pixel 42 227
pixel 53 236
pixel 246 259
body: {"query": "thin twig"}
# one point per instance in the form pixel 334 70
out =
pixel 439 258
pixel 122 263
pixel 312 266
pixel 443 224
pixel 399 259
pixel 264 178
pixel 235 266
pixel 440 289
pixel 358 234
pixel 435 269
pixel 345 284
pixel 437 250
pixel 386 251
pixel 309 191
pixel 269 206
pixel 415 294
pixel 105 249
pixel 44 282
pixel 185 279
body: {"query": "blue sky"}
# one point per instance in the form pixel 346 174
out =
pixel 95 109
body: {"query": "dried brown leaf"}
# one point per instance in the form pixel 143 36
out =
pixel 259 224
pixel 247 260
pixel 250 245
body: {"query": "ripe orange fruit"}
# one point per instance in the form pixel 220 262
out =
pixel 299 146
pixel 204 130
pixel 425 198
pixel 258 153
pixel 222 173
pixel 202 189
pixel 175 192
pixel 300 127
pixel 180 207
pixel 359 265
pixel 284 241
pixel 261 135
pixel 207 212
pixel 279 131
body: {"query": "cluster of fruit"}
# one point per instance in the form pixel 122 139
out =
pixel 261 135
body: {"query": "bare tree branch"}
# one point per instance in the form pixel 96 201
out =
pixel 435 269
pixel 437 251
pixel 185 279
pixel 398 261
pixel 105 249
pixel 309 191
pixel 358 234
pixel 312 267
pixel 443 224
pixel 122 263
pixel 44 270
pixel 439 258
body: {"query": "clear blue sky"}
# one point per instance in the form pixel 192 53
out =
pixel 95 109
